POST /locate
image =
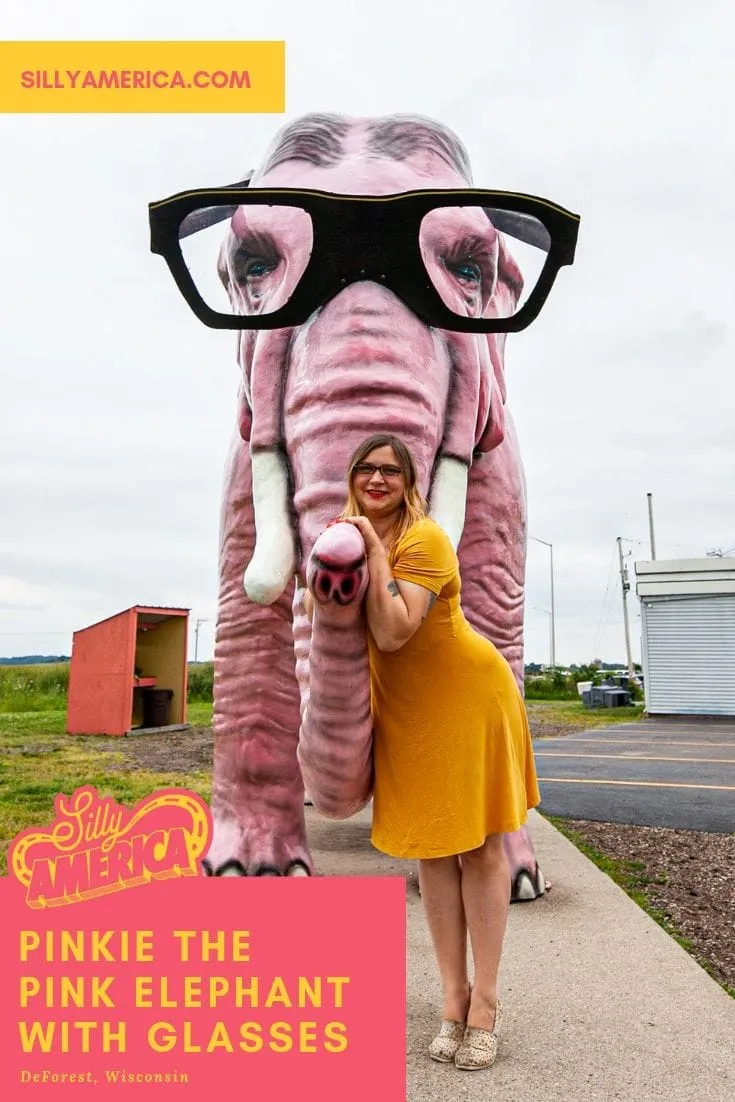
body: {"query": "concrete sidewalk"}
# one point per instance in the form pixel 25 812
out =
pixel 599 1003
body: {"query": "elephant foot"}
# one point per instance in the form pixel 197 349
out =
pixel 527 880
pixel 528 884
pixel 257 805
pixel 233 867
pixel 240 849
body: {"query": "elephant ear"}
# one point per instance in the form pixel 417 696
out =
pixel 504 301
pixel 492 398
pixel 222 214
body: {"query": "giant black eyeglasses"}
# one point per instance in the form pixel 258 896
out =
pixel 474 260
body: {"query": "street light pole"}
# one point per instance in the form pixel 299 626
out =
pixel 551 641
pixel 553 618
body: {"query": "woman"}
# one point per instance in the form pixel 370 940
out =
pixel 454 766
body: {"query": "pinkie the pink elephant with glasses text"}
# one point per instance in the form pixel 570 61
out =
pixel 399 312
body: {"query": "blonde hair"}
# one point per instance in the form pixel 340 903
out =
pixel 414 506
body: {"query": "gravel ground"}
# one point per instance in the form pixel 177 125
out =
pixel 689 877
pixel 686 875
pixel 188 751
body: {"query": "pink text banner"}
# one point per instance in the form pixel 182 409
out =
pixel 273 987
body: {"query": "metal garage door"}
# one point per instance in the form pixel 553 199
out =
pixel 689 655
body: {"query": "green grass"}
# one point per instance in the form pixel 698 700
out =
pixel 631 876
pixel 199 713
pixel 44 688
pixel 38 760
pixel 34 688
pixel 200 681
pixel 16 727
pixel 574 714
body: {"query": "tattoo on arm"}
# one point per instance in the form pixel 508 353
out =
pixel 392 588
pixel 432 599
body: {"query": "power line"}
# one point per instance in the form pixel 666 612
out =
pixel 600 626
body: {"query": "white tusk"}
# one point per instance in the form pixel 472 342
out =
pixel 273 564
pixel 449 497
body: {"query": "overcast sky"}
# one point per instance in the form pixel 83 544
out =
pixel 116 404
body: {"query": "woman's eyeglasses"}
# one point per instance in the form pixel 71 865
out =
pixel 386 471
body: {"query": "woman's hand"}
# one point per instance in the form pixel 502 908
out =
pixel 373 546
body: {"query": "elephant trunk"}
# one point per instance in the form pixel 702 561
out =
pixel 322 429
pixel 335 750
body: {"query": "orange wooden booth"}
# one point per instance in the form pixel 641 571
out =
pixel 128 668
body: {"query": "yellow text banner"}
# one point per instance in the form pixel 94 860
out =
pixel 142 77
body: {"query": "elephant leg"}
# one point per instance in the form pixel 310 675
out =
pixel 257 792
pixel 492 560
pixel 302 646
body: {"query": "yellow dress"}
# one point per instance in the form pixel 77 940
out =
pixel 453 755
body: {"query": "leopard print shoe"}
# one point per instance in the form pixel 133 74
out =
pixel 479 1047
pixel 447 1041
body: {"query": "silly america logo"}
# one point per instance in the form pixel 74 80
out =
pixel 95 846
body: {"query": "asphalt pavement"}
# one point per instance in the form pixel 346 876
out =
pixel 666 773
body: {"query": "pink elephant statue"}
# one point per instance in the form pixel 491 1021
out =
pixel 292 705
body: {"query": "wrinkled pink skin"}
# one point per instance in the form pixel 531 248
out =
pixel 292 702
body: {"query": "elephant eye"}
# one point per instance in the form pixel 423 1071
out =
pixel 471 263
pixel 249 268
pixel 253 256
pixel 257 267
pixel 467 271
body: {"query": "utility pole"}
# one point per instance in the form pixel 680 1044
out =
pixel 626 586
pixel 650 526
pixel 196 637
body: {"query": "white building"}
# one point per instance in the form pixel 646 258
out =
pixel 688 644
